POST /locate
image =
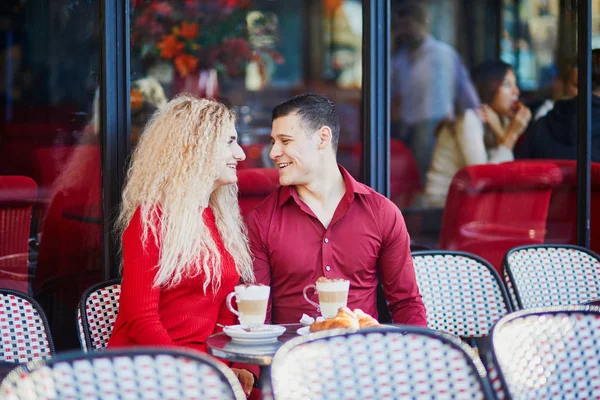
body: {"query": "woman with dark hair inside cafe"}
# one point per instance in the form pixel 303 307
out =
pixel 478 136
pixel 183 243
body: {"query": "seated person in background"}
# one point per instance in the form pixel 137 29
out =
pixel 322 222
pixel 555 135
pixel 478 136
pixel 564 87
pixel 183 245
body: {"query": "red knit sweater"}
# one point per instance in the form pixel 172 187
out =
pixel 181 316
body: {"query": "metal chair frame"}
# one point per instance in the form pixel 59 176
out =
pixel 83 324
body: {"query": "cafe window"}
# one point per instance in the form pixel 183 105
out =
pixel 250 55
pixel 50 146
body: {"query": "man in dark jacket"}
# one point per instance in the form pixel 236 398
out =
pixel 555 135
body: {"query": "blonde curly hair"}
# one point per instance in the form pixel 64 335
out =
pixel 171 177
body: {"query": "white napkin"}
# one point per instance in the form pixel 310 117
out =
pixel 306 320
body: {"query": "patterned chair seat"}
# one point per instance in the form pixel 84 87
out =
pixel 549 353
pixel 462 293
pixel 23 328
pixel 124 374
pixel 97 313
pixel 382 363
pixel 550 275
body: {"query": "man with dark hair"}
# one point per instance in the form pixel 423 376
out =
pixel 323 223
pixel 429 82
pixel 555 134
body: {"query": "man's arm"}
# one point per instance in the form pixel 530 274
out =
pixel 397 270
pixel 259 249
pixel 466 95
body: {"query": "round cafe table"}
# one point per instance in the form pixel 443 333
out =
pixel 221 346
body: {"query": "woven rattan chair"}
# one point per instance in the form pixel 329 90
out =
pixel 96 314
pixel 462 293
pixel 551 275
pixel 23 328
pixel 381 363
pixel 124 374
pixel 549 353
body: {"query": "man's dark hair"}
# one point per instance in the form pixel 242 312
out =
pixel 314 111
pixel 414 10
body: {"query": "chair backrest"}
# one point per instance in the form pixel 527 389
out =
pixel 549 353
pixel 383 363
pixel 18 194
pixel 546 275
pixel 462 293
pixel 24 329
pixel 254 185
pixel 562 212
pixel 124 374
pixel 96 314
pixel 492 208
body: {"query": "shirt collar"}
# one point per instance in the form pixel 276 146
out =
pixel 352 187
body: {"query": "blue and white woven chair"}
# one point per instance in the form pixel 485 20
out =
pixel 462 293
pixel 379 363
pixel 124 374
pixel 551 275
pixel 549 353
pixel 96 314
pixel 24 329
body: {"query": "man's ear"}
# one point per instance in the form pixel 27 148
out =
pixel 325 137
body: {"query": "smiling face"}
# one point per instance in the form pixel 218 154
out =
pixel 232 154
pixel 295 151
pixel 506 96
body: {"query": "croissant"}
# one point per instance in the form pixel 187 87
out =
pixel 364 319
pixel 345 318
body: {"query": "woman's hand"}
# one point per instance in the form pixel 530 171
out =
pixel 246 379
pixel 489 117
pixel 516 127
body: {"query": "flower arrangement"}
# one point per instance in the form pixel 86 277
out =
pixel 197 35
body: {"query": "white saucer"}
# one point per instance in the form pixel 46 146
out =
pixel 305 330
pixel 259 335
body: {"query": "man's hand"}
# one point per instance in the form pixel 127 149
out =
pixel 246 379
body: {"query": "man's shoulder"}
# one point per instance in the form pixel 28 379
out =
pixel 378 201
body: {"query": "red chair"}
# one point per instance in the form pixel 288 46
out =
pixel 492 208
pixel 18 194
pixel 562 214
pixel 254 185
pixel 405 180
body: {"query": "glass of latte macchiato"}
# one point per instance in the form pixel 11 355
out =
pixel 333 294
pixel 251 302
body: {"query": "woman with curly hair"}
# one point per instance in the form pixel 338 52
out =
pixel 183 241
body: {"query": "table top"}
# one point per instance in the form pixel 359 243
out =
pixel 221 346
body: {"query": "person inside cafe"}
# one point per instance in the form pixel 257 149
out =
pixel 486 134
pixel 554 136
pixel 321 222
pixel 183 243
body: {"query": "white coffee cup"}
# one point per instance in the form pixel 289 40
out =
pixel 333 294
pixel 251 304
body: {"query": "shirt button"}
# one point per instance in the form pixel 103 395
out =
pixel 326 240
pixel 328 268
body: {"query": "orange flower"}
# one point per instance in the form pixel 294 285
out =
pixel 185 63
pixel 136 99
pixel 169 47
pixel 188 31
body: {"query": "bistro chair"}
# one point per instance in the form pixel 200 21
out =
pixel 135 373
pixel 379 363
pixel 551 275
pixel 96 314
pixel 23 328
pixel 463 294
pixel 548 353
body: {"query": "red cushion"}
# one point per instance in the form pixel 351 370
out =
pixel 493 207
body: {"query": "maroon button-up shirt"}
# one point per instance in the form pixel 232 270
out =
pixel 367 234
